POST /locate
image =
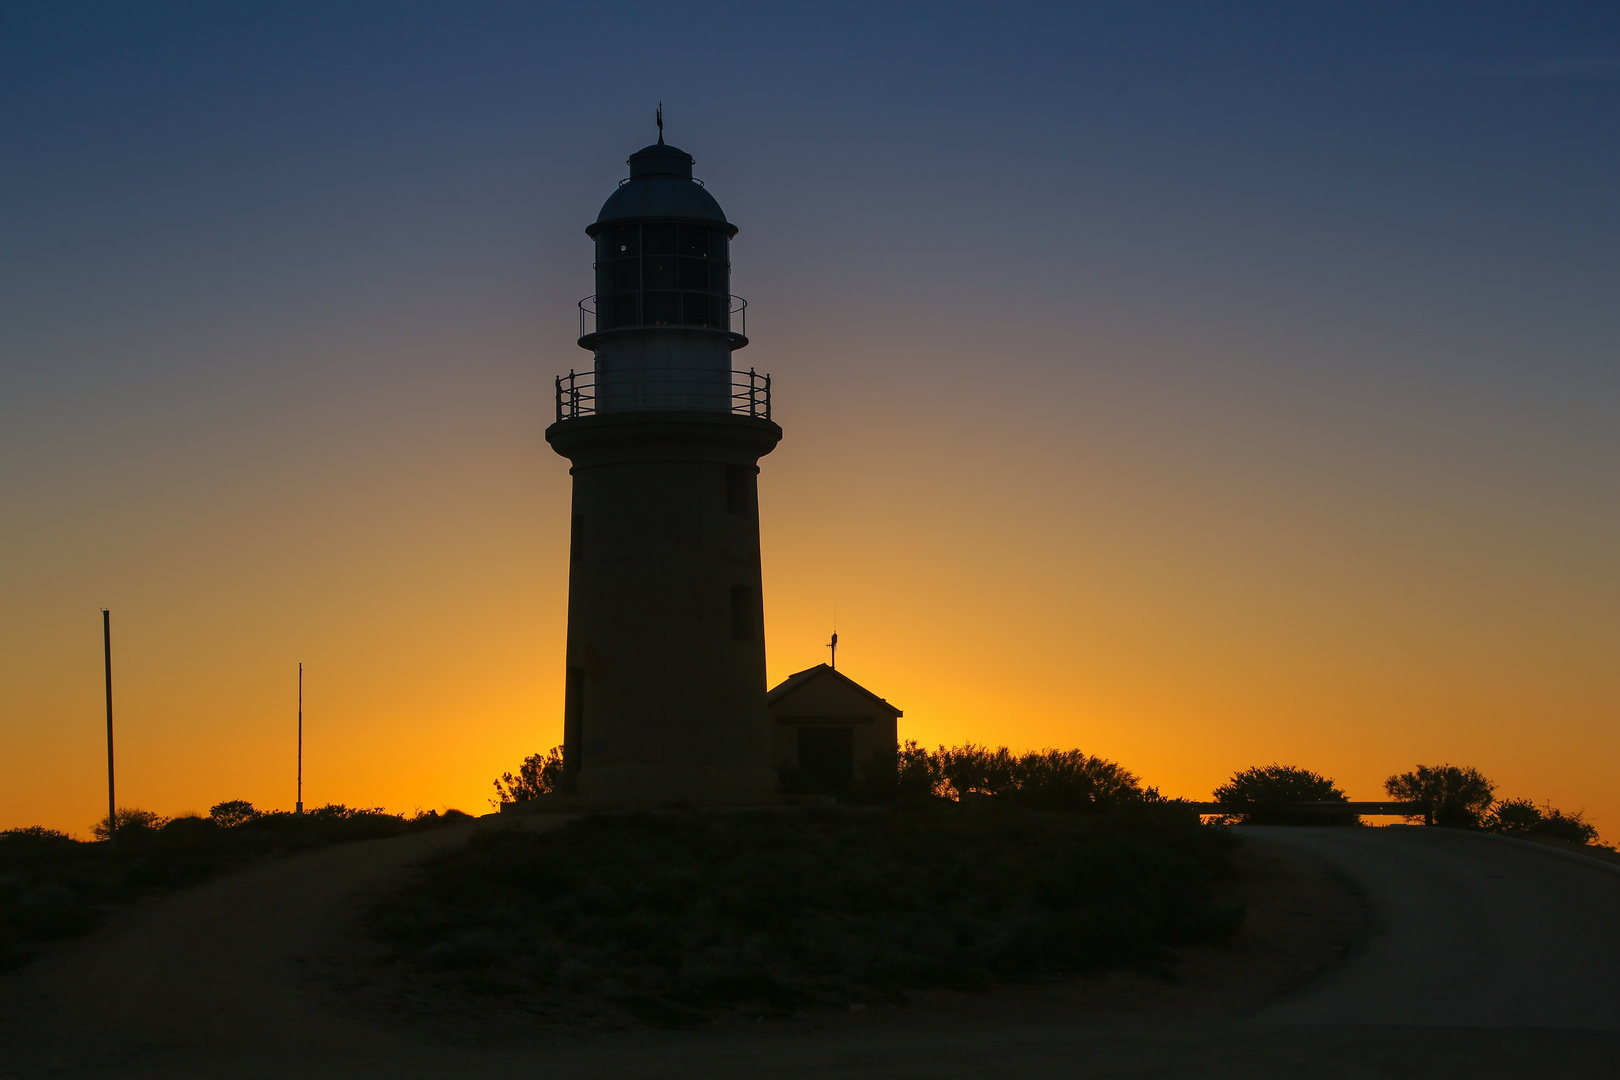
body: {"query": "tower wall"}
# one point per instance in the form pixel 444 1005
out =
pixel 662 368
pixel 665 693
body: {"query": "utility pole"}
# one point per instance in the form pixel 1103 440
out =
pixel 106 653
pixel 300 802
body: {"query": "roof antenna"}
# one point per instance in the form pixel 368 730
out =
pixel 660 123
pixel 833 645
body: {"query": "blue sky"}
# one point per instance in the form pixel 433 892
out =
pixel 1102 334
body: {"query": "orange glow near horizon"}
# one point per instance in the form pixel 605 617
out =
pixel 1070 576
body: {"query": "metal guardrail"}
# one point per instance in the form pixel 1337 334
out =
pixel 750 394
pixel 576 394
pixel 736 312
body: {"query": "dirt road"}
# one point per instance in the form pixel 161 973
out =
pixel 263 975
pixel 223 968
pixel 1470 930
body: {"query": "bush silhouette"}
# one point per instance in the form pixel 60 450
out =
pixel 1522 817
pixel 128 821
pixel 1571 827
pixel 1446 794
pixel 233 812
pixel 917 772
pixel 540 774
pixel 1041 779
pixel 1513 816
pixel 1255 796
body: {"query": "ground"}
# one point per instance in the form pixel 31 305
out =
pixel 264 974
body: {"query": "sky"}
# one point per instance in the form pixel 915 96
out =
pixel 1201 386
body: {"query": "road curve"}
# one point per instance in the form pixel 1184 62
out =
pixel 1467 930
pixel 226 966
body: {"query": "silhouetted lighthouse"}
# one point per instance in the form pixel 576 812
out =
pixel 665 695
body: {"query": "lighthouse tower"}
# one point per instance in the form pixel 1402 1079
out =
pixel 665 687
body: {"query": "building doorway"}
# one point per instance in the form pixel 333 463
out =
pixel 827 758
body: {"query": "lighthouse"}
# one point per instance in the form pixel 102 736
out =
pixel 664 695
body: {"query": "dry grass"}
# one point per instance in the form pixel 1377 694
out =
pixel 676 916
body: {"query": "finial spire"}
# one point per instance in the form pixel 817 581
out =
pixel 660 123
pixel 833 645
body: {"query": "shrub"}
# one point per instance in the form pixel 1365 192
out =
pixel 1447 794
pixel 232 813
pixel 1041 779
pixel 540 774
pixel 917 772
pixel 1071 780
pixel 1254 796
pixel 340 812
pixel 1522 817
pixel 427 819
pixel 977 770
pixel 1572 827
pixel 33 835
pixel 1515 816
pixel 127 821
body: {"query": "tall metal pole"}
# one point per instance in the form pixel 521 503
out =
pixel 106 652
pixel 300 802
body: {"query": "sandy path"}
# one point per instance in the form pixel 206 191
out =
pixel 210 971
pixel 1471 930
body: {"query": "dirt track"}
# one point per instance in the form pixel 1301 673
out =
pixel 1471 929
pixel 263 975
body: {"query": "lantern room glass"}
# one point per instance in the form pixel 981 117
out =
pixel 663 274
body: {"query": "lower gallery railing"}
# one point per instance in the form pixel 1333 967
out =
pixel 577 392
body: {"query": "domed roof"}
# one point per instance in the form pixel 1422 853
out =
pixel 661 187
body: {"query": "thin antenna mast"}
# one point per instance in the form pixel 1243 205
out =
pixel 833 644
pixel 300 802
pixel 106 652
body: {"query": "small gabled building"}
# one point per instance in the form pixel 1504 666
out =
pixel 826 729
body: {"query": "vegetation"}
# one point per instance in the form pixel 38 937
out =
pixel 53 886
pixel 233 812
pixel 127 821
pixel 540 774
pixel 1521 817
pixel 1445 794
pixel 1463 798
pixel 672 915
pixel 1042 779
pixel 1254 797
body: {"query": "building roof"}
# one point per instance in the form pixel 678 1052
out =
pixel 800 679
pixel 661 188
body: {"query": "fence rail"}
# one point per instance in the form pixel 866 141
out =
pixel 1366 809
pixel 750 394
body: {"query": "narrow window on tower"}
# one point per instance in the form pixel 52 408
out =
pixel 739 489
pixel 573 721
pixel 576 540
pixel 744 614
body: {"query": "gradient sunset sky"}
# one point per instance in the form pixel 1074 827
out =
pixel 1198 385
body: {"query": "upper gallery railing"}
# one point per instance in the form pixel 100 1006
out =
pixel 750 394
pixel 736 319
